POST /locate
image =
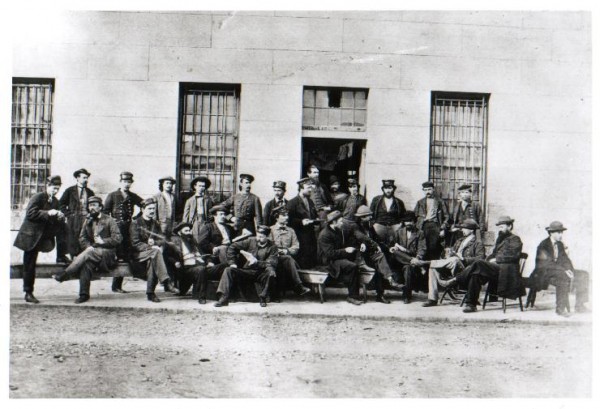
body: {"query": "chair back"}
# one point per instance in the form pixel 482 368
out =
pixel 522 261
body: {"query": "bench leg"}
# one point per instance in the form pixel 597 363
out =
pixel 322 292
pixel 520 303
pixel 504 305
pixel 364 291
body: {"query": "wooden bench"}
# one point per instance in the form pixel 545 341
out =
pixel 318 278
pixel 46 270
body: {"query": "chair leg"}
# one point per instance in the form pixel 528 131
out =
pixel 443 296
pixel 504 305
pixel 462 302
pixel 322 292
pixel 485 297
pixel 521 304
pixel 364 291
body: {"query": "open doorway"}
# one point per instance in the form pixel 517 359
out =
pixel 343 158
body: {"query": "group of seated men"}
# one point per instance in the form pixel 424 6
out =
pixel 238 241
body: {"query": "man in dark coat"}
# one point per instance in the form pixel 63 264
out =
pixel 501 268
pixel 120 205
pixel 465 252
pixel 433 220
pixel 147 246
pixel 351 202
pixel 279 200
pixel 303 219
pixel 99 238
pixel 244 206
pixel 73 203
pixel 319 195
pixel 42 222
pixel 166 205
pixel 337 252
pixel 258 258
pixel 388 211
pixel 407 251
pixel 466 209
pixel 553 266
pixel 197 207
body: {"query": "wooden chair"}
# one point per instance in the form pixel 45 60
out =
pixel 522 261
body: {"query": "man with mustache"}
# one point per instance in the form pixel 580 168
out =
pixel 166 202
pixel 350 204
pixel 388 211
pixel 279 200
pixel 244 206
pixel 197 207
pixel 466 209
pixel 433 220
pixel 99 239
pixel 303 219
pixel 319 195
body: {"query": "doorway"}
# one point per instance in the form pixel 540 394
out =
pixel 343 158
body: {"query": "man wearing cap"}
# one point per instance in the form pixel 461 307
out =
pixel 40 226
pixel 319 195
pixel 303 218
pixel 73 203
pixel 369 251
pixel 467 249
pixel 501 269
pixel 553 266
pixel 350 204
pixel 216 236
pixel 245 206
pixel 197 207
pixel 99 238
pixel 279 200
pixel 165 201
pixel 147 245
pixel 406 252
pixel 258 258
pixel 388 211
pixel 432 219
pixel 288 246
pixel 466 209
pixel 336 250
pixel 120 205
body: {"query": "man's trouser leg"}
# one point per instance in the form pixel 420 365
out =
pixel 84 265
pixel 188 276
pixel 408 273
pixel 262 281
pixel 381 265
pixel 85 278
pixel 226 282
pixel 156 270
pixel 62 247
pixel 560 280
pixel 431 230
pixel 29 261
pixel 348 271
pixel 209 273
pixel 288 266
pixel 433 293
pixel 581 284
pixel 482 272
pixel 122 253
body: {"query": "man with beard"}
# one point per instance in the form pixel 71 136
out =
pixel 120 205
pixel 302 218
pixel 166 205
pixel 433 220
pixel 466 209
pixel 350 204
pixel 197 207
pixel 278 201
pixel 501 269
pixel 73 203
pixel 319 195
pixel 553 266
pixel 388 212
pixel 99 239
pixel 244 206
pixel 42 222
pixel 408 249
pixel 147 245
pixel 465 252
pixel 288 246
pixel 334 191
pixel 258 258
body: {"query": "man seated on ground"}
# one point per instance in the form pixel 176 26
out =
pixel 407 251
pixel 259 257
pixel 184 258
pixel 553 266
pixel 500 269
pixel 99 239
pixel 287 244
pixel 336 251
pixel 466 250
pixel 370 251
pixel 147 244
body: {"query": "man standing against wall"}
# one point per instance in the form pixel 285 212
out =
pixel 244 206
pixel 433 220
pixel 165 200
pixel 350 204
pixel 466 209
pixel 197 207
pixel 319 194
pixel 303 217
pixel 388 212
pixel 278 201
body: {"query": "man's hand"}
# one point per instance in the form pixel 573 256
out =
pixel 233 266
pixel 210 264
pixel 378 250
pixel 350 250
pixel 306 222
pixel 215 251
pixel 363 247
pixel 234 219
pixel 401 248
pixel 151 241
pixel 415 262
pixel 283 252
pixel 492 260
pixel 156 247
pixel 442 233
pixel 177 264
pixel 98 239
pixel 569 274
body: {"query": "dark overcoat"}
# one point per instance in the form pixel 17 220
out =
pixel 545 265
pixel 111 235
pixel 307 236
pixel 39 229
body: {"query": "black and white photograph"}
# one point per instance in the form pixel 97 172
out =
pixel 295 202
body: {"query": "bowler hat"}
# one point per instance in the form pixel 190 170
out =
pixel 181 226
pixel 279 184
pixel 147 202
pixel 555 226
pixel 352 182
pixel 79 171
pixel 204 179
pixel 409 216
pixel 363 211
pixel 94 199
pixel 504 220
pixel 336 214
pixel 54 180
pixel 167 178
pixel 126 176
pixel 465 187
pixel 427 184
pixel 468 224
pixel 247 176
pixel 217 208
pixel 388 183
pixel 263 229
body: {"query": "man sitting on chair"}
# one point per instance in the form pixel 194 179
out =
pixel 466 250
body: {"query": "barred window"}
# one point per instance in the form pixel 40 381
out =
pixel 334 109
pixel 31 137
pixel 208 137
pixel 458 150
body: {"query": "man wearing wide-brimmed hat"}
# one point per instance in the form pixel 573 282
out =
pixel 553 266
pixel 99 239
pixel 500 269
pixel 279 200
pixel 388 211
pixel 197 208
pixel 166 203
pixel 467 249
pixel 42 222
pixel 73 203
pixel 245 207
pixel 303 218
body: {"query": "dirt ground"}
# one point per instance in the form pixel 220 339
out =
pixel 98 353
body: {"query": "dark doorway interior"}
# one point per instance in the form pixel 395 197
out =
pixel 343 158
